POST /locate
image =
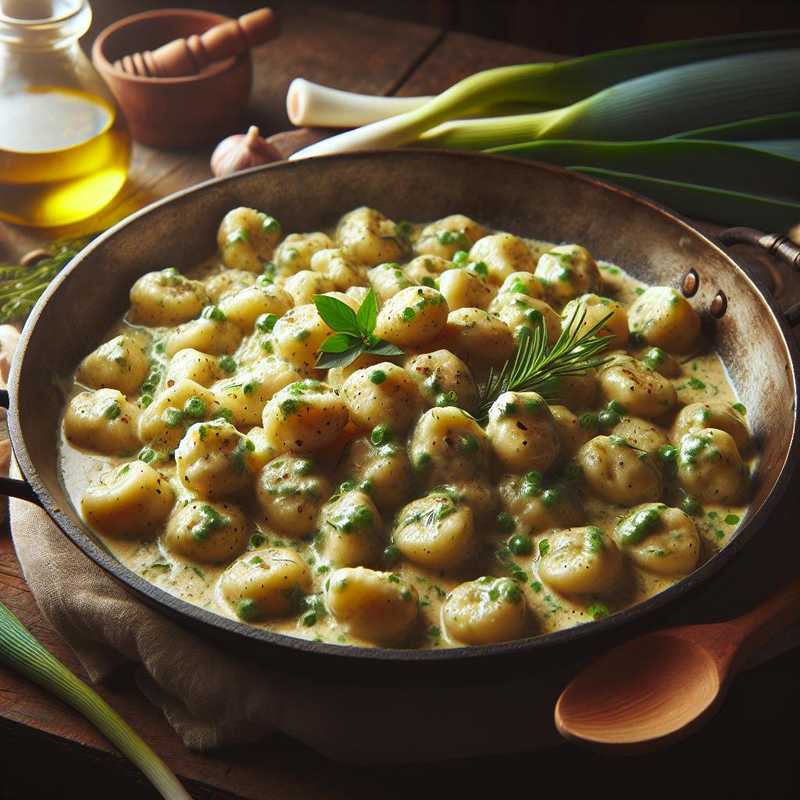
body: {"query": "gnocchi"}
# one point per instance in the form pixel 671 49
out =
pixel 437 476
pixel 130 502
pixel 266 583
pixel 580 561
pixel 377 606
pixel 663 317
pixel 121 363
pixel 486 611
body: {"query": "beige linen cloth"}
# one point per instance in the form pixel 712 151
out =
pixel 214 699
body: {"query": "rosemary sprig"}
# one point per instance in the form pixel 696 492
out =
pixel 537 367
pixel 21 287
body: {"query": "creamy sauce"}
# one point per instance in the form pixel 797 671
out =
pixel 702 378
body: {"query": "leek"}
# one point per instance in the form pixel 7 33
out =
pixel 723 165
pixel 546 84
pixel 653 106
pixel 20 650
pixel 772 126
pixel 706 202
pixel 312 104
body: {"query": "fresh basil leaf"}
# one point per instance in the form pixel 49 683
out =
pixel 344 359
pixel 339 342
pixel 337 315
pixel 382 348
pixel 368 313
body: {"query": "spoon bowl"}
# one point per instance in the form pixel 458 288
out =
pixel 647 691
pixel 660 687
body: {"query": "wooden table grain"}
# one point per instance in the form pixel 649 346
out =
pixel 367 54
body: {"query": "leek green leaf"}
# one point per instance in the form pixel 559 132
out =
pixel 652 106
pixel 707 202
pixel 723 165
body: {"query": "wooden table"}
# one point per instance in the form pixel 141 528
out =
pixel 49 751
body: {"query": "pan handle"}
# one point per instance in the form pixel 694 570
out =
pixel 11 487
pixel 775 244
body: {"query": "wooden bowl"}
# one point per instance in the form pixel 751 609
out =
pixel 173 112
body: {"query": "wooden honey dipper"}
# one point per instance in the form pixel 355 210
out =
pixel 191 55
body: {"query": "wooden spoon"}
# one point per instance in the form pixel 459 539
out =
pixel 658 688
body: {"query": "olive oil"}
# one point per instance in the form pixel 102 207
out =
pixel 64 155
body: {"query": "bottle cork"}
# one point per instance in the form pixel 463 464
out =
pixel 189 56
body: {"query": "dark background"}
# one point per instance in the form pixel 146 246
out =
pixel 559 26
pixel 581 26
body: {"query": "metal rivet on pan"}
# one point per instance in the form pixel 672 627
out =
pixel 690 283
pixel 719 305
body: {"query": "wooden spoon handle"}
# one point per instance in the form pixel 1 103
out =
pixel 756 628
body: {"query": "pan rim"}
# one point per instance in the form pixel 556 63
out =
pixel 258 637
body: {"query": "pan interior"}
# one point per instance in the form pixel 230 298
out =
pixel 522 198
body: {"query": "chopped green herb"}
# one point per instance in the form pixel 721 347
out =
pixel 148 455
pixel 691 506
pixel 112 410
pixel 214 313
pixel 172 417
pixel 210 520
pixel 381 435
pixel 597 610
pixel 544 547
pixel 247 609
pixel 637 526
pixel 266 322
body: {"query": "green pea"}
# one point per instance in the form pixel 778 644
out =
pixel 505 522
pixel 550 497
pixel 227 364
pixel 195 408
pixel 377 376
pixel 520 544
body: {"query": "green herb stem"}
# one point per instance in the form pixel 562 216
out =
pixel 537 367
pixel 21 287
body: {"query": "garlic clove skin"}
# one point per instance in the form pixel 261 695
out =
pixel 242 151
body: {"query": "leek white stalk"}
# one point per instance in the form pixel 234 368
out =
pixel 20 650
pixel 312 104
pixel 652 106
pixel 545 84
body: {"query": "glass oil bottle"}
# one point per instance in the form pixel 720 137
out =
pixel 64 146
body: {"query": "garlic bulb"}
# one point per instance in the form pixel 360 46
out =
pixel 242 151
